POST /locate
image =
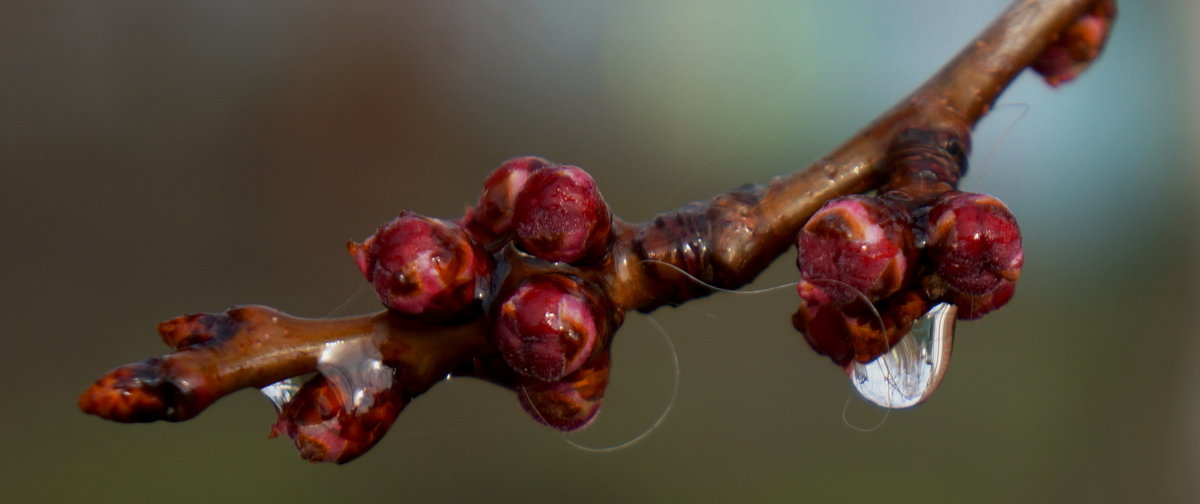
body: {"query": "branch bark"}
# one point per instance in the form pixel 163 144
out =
pixel 724 242
pixel 761 223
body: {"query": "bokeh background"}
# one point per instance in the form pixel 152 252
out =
pixel 159 158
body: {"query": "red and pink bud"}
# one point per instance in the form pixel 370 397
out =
pixel 829 316
pixel 327 426
pixel 492 219
pixel 974 242
pixel 1078 45
pixel 571 403
pixel 548 327
pixel 840 323
pixel 561 216
pixel 972 307
pixel 975 246
pixel 423 267
pixel 863 242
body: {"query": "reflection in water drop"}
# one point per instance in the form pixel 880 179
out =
pixel 910 372
pixel 355 368
pixel 282 391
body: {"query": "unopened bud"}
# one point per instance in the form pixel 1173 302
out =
pixel 422 266
pixel 561 216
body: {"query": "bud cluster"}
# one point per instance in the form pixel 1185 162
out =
pixel 872 265
pixel 551 212
pixel 549 326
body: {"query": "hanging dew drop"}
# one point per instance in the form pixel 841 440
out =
pixel 282 391
pixel 909 373
pixel 355 367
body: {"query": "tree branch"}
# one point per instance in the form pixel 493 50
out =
pixel 758 226
pixel 724 242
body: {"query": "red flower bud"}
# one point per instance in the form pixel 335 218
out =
pixel 571 403
pixel 327 426
pixel 422 266
pixel 864 242
pixel 561 216
pixel 492 219
pixel 839 323
pixel 825 326
pixel 1078 45
pixel 548 327
pixel 975 246
pixel 972 307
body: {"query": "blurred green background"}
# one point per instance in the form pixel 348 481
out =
pixel 159 158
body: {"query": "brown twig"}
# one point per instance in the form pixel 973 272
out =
pixel 255 346
pixel 725 242
pixel 751 227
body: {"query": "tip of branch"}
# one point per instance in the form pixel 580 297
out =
pixel 131 393
pixel 162 388
pixel 1076 47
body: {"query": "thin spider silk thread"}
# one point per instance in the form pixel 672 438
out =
pixel 878 318
pixel 774 101
pixel 709 161
pixel 857 293
pixel 987 161
pixel 354 295
pixel 662 416
pixel 714 287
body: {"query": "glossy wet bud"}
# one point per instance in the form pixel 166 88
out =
pixel 492 219
pixel 825 329
pixel 571 403
pixel 972 307
pixel 840 323
pixel 1078 45
pixel 328 426
pixel 864 242
pixel 561 216
pixel 548 327
pixel 974 244
pixel 422 266
pixel 834 320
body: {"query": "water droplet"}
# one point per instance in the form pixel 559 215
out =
pixel 282 391
pixel 910 372
pixel 355 367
